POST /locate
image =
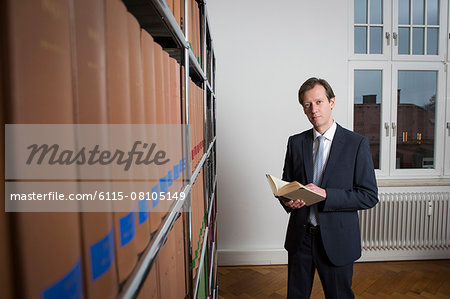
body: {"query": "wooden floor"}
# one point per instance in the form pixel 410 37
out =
pixel 412 279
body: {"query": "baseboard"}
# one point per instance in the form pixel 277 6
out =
pixel 404 255
pixel 228 257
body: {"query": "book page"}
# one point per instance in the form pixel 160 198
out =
pixel 279 183
pixel 275 183
pixel 290 187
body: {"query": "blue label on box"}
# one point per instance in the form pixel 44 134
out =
pixel 155 190
pixel 70 286
pixel 102 255
pixel 176 172
pixel 163 185
pixel 169 178
pixel 127 226
pixel 143 210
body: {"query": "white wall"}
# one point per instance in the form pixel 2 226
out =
pixel 265 50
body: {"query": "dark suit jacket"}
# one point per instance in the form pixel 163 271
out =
pixel 349 180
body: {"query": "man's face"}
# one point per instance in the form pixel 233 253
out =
pixel 318 109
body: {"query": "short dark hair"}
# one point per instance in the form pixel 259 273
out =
pixel 310 84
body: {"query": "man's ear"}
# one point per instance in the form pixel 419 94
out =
pixel 332 102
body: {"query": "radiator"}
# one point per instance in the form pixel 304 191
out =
pixel 407 221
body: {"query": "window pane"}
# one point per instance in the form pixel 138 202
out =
pixel 403 12
pixel 418 39
pixel 416 118
pixel 432 41
pixel 376 12
pixel 433 12
pixel 367 109
pixel 403 40
pixel 360 11
pixel 376 40
pixel 360 40
pixel 418 12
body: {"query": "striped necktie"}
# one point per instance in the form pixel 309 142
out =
pixel 319 162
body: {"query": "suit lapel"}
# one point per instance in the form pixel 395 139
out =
pixel 335 152
pixel 307 156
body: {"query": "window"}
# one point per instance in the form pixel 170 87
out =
pixel 370 32
pixel 367 106
pixel 371 108
pixel 418 105
pixel 419 29
pixel 368 17
pixel 416 118
pixel 398 29
pixel 397 106
pixel 399 85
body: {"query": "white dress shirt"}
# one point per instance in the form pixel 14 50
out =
pixel 329 135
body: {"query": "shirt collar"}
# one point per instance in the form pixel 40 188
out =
pixel 329 134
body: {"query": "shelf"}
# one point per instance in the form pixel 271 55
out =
pixel 202 260
pixel 133 284
pixel 202 161
pixel 163 25
pixel 210 282
pixel 209 88
pixel 195 68
pixel 156 18
pixel 211 199
pixel 216 287
pixel 213 270
pixel 137 277
pixel 206 239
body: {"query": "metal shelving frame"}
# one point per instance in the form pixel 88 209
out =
pixel 205 240
pixel 155 17
pixel 214 226
pixel 215 262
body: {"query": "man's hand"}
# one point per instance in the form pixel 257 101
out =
pixel 316 189
pixel 294 204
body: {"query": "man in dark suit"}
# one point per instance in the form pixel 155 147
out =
pixel 337 164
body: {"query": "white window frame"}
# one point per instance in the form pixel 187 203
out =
pixel 447 120
pixel 390 63
pixel 440 116
pixel 447 128
pixel 385 67
pixel 448 36
pixel 442 36
pixel 387 42
pixel 388 145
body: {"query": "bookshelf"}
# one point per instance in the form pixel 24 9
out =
pixel 181 28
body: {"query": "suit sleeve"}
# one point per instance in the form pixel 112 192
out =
pixel 364 194
pixel 287 171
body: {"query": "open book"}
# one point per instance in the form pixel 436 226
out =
pixel 292 191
